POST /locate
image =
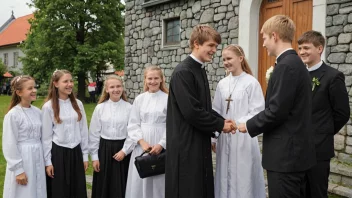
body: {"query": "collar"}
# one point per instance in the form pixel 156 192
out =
pixel 282 53
pixel 110 101
pixel 194 58
pixel 316 66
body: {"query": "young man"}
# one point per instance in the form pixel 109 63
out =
pixel 288 149
pixel 191 122
pixel 330 109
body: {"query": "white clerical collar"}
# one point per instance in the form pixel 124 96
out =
pixel 282 53
pixel 194 58
pixel 316 66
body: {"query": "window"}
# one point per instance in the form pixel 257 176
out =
pixel 171 32
pixel 148 3
pixel 15 59
pixel 6 59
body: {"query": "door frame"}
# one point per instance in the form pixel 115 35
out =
pixel 249 29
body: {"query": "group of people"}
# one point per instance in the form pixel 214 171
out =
pixel 306 103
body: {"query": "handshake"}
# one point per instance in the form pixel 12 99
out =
pixel 231 127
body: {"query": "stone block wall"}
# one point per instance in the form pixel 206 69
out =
pixel 143 36
pixel 339 56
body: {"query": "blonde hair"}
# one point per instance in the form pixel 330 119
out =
pixel 105 96
pixel 203 33
pixel 239 52
pixel 17 84
pixel 162 84
pixel 282 25
pixel 53 95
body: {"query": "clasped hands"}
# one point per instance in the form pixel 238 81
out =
pixel 231 127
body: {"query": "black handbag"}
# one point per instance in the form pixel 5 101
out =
pixel 150 165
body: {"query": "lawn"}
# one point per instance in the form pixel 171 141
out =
pixel 4 102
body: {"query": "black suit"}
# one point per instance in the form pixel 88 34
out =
pixel 330 112
pixel 288 148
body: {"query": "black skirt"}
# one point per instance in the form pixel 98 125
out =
pixel 111 181
pixel 69 176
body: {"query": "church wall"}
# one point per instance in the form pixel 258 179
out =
pixel 143 36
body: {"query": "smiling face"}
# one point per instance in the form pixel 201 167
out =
pixel 115 89
pixel 232 62
pixel 28 93
pixel 153 80
pixel 269 43
pixel 64 86
pixel 310 54
pixel 205 51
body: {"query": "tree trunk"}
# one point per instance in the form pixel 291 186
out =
pixel 81 86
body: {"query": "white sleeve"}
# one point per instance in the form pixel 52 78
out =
pixel 217 102
pixel 134 124
pixel 84 133
pixel 256 102
pixel 162 142
pixel 9 145
pixel 94 133
pixel 128 146
pixel 47 133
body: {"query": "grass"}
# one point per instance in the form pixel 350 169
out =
pixel 4 103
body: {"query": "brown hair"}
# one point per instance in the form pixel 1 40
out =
pixel 203 33
pixel 282 25
pixel 53 95
pixel 239 52
pixel 105 96
pixel 17 84
pixel 162 84
pixel 314 37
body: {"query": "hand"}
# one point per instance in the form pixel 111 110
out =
pixel 145 145
pixel 22 179
pixel 156 149
pixel 229 126
pixel 96 166
pixel 213 147
pixel 242 128
pixel 85 166
pixel 119 156
pixel 50 171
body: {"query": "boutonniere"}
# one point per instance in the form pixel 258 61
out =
pixel 315 83
pixel 268 73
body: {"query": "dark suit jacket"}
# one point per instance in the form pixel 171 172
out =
pixel 330 111
pixel 286 121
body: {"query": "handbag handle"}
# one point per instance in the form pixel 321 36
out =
pixel 147 151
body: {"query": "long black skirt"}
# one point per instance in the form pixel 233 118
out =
pixel 69 177
pixel 111 181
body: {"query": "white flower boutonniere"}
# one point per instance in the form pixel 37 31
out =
pixel 315 83
pixel 268 73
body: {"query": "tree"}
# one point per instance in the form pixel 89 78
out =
pixel 2 69
pixel 80 36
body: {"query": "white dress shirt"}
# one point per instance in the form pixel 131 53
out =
pixel 315 67
pixel 109 121
pixel 69 133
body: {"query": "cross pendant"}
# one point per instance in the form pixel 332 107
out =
pixel 228 103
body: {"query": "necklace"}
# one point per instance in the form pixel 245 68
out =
pixel 31 128
pixel 229 98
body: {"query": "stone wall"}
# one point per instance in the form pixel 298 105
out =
pixel 143 36
pixel 339 56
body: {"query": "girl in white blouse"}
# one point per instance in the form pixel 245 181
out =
pixel 109 144
pixel 147 128
pixel 25 175
pixel 65 139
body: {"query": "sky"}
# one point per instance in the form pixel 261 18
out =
pixel 19 8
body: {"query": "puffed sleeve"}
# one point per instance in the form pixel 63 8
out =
pixel 84 133
pixel 9 144
pixel 94 133
pixel 134 124
pixel 47 132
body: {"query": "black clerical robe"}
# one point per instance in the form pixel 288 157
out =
pixel 190 124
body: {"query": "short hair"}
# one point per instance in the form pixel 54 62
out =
pixel 314 37
pixel 282 25
pixel 203 33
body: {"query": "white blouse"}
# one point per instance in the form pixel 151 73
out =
pixel 20 124
pixel 109 121
pixel 69 133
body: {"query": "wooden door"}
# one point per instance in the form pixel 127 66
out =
pixel 300 11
